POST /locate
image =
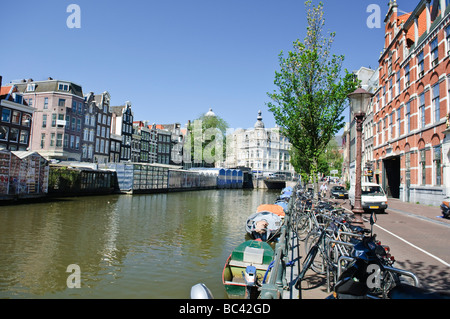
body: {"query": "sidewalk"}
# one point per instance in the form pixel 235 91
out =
pixel 426 212
pixel 314 285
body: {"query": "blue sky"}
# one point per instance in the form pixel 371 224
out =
pixel 175 59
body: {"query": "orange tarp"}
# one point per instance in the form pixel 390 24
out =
pixel 276 209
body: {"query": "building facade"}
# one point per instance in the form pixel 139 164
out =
pixel 262 149
pixel 122 125
pixel 103 127
pixel 412 105
pixel 90 124
pixel 58 117
pixel 164 145
pixel 15 119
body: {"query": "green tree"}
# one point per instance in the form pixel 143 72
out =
pixel 207 139
pixel 312 93
pixel 330 159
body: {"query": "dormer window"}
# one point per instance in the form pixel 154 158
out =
pixel 31 87
pixel 63 87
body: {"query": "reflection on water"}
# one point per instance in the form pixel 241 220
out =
pixel 141 246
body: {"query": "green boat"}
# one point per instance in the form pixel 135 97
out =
pixel 246 268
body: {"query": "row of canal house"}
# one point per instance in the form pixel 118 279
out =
pixel 406 140
pixel 56 119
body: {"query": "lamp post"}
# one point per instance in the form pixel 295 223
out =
pixel 359 100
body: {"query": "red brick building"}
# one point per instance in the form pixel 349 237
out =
pixel 412 104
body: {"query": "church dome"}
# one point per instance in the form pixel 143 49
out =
pixel 259 123
pixel 210 113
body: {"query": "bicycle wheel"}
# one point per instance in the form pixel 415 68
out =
pixel 304 226
pixel 318 263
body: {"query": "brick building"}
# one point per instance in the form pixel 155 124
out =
pixel 411 106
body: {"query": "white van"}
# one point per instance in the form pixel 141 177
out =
pixel 373 197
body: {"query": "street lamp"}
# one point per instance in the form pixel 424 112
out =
pixel 359 101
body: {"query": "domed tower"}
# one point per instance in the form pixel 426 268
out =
pixel 259 123
pixel 210 113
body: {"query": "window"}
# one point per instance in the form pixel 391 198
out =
pixel 6 115
pixel 44 120
pixel 59 139
pixel 399 112
pixel 447 32
pixel 62 102
pixel 31 87
pixel 72 141
pixel 423 166
pixel 15 117
pixel 420 65
pixel 60 120
pixel 434 52
pixel 435 103
pixel 77 143
pixel 407 76
pixel 391 123
pixel 24 137
pixel 43 140
pixel 14 135
pixel 79 125
pixel 437 165
pixel 46 103
pixel 63 87
pixel 26 120
pixel 408 117
pixel 397 84
pixel 52 139
pixel 73 123
pixel 391 93
pixel 53 120
pixel 84 150
pixel 422 110
pixel 4 132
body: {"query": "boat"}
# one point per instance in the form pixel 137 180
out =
pixel 247 267
pixel 264 225
pixel 283 204
pixel 273 208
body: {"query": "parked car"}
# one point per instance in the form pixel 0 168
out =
pixel 338 192
pixel 373 197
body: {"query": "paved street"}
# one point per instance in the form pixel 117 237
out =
pixel 419 241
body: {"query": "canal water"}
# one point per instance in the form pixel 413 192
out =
pixel 154 246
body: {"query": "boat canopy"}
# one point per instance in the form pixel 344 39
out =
pixel 272 208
